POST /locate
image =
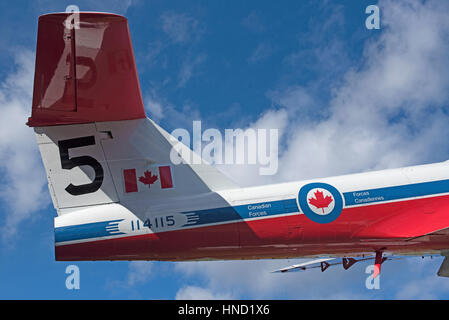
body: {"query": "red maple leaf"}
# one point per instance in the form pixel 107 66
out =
pixel 319 201
pixel 148 178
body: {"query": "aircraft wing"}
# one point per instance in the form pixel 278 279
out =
pixel 307 265
pixel 325 263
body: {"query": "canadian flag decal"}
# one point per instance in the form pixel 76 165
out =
pixel 165 174
pixel 130 180
pixel 154 177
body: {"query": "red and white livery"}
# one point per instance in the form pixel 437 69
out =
pixel 119 197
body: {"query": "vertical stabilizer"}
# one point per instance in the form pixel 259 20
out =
pixel 96 143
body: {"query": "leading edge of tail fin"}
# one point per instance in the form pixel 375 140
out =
pixel 85 70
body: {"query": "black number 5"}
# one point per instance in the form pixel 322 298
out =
pixel 69 163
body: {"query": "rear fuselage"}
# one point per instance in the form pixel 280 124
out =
pixel 339 216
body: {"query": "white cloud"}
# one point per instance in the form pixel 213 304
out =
pixel 411 278
pixel 180 27
pixel 160 109
pixel 253 23
pixel 254 279
pixel 321 47
pixel 272 119
pixel 428 287
pixel 390 112
pixel 198 293
pixel 299 103
pixel 23 189
pixel 138 272
pixel 154 106
pixel 188 69
pixel 261 52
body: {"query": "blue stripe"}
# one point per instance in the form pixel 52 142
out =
pixel 396 193
pixel 258 210
pixel 87 231
pixel 227 214
pixel 254 210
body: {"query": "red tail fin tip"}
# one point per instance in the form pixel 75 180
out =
pixel 85 74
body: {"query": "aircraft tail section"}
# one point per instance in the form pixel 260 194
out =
pixel 96 143
pixel 128 161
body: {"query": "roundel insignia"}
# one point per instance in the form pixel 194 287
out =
pixel 320 202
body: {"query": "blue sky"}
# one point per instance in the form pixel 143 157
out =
pixel 345 99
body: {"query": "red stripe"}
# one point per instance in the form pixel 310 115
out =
pixel 166 180
pixel 130 180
